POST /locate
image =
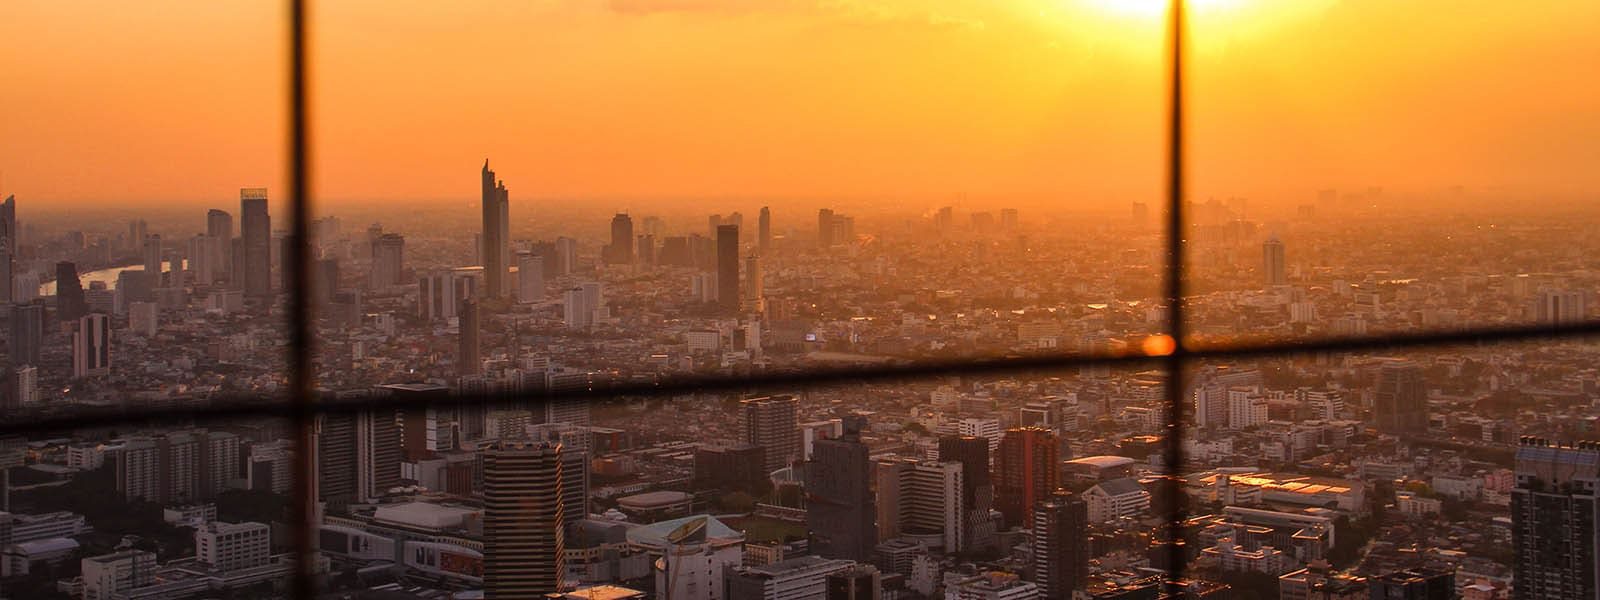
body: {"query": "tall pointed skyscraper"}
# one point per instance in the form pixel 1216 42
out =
pixel 764 232
pixel 255 231
pixel 496 233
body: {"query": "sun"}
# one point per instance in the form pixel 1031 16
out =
pixel 1157 8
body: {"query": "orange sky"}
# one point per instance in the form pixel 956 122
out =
pixel 919 100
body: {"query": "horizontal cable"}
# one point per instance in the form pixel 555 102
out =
pixel 267 406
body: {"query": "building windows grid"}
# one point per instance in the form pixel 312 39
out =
pixel 1175 357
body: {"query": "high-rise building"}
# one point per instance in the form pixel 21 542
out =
pixel 468 359
pixel 825 221
pixel 1426 583
pixel 839 508
pixel 255 231
pixel 8 249
pixel 1273 265
pixel 754 285
pixel 771 422
pixel 1008 219
pixel 1026 472
pixel 523 537
pixel 530 278
pixel 977 492
pixel 358 454
pixel 204 253
pixel 1060 545
pixel 227 547
pixel 1560 307
pixel 860 582
pixel 151 253
pixel 25 337
pixel 496 244
pixel 764 232
pixel 1401 403
pixel 440 292
pixel 575 311
pixel 1555 520
pixel 388 261
pixel 91 346
pixel 620 250
pixel 728 268
pixel 921 498
pixel 219 225
pixel 70 301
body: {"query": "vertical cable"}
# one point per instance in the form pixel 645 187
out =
pixel 300 368
pixel 1171 489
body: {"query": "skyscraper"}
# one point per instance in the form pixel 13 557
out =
pixel 754 284
pixel 1555 511
pixel 523 537
pixel 25 337
pixel 8 248
pixel 219 225
pixel 574 311
pixel 1273 262
pixel 1060 545
pixel 620 250
pixel 839 507
pixel 825 227
pixel 150 252
pixel 977 492
pixel 764 232
pixel 728 268
pixel 91 346
pixel 203 253
pixel 1401 403
pixel 70 302
pixel 496 233
pixel 468 360
pixel 255 231
pixel 388 260
pixel 1560 307
pixel 530 277
pixel 921 498
pixel 771 423
pixel 1026 472
pixel 358 454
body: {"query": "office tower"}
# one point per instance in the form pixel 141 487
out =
pixel 227 547
pixel 203 256
pixel 803 578
pixel 530 278
pixel 728 268
pixel 575 441
pixel 1008 219
pixel 255 233
pixel 764 232
pixel 1060 545
pixel 468 360
pixel 566 256
pixel 986 428
pixel 754 284
pixel 523 537
pixel 8 249
pixel 25 337
pixel 388 260
pixel 646 245
pixel 860 582
pixel 1277 272
pixel 324 280
pixel 496 242
pixel 1401 403
pixel 1555 518
pixel 1429 583
pixel 1026 472
pixel 440 292
pixel 150 252
pixel 1560 307
pixel 771 423
pixel 91 346
pixel 70 303
pixel 219 225
pixel 620 250
pixel 922 498
pixel 574 311
pixel 839 509
pixel 358 454
pixel 825 222
pixel 977 493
